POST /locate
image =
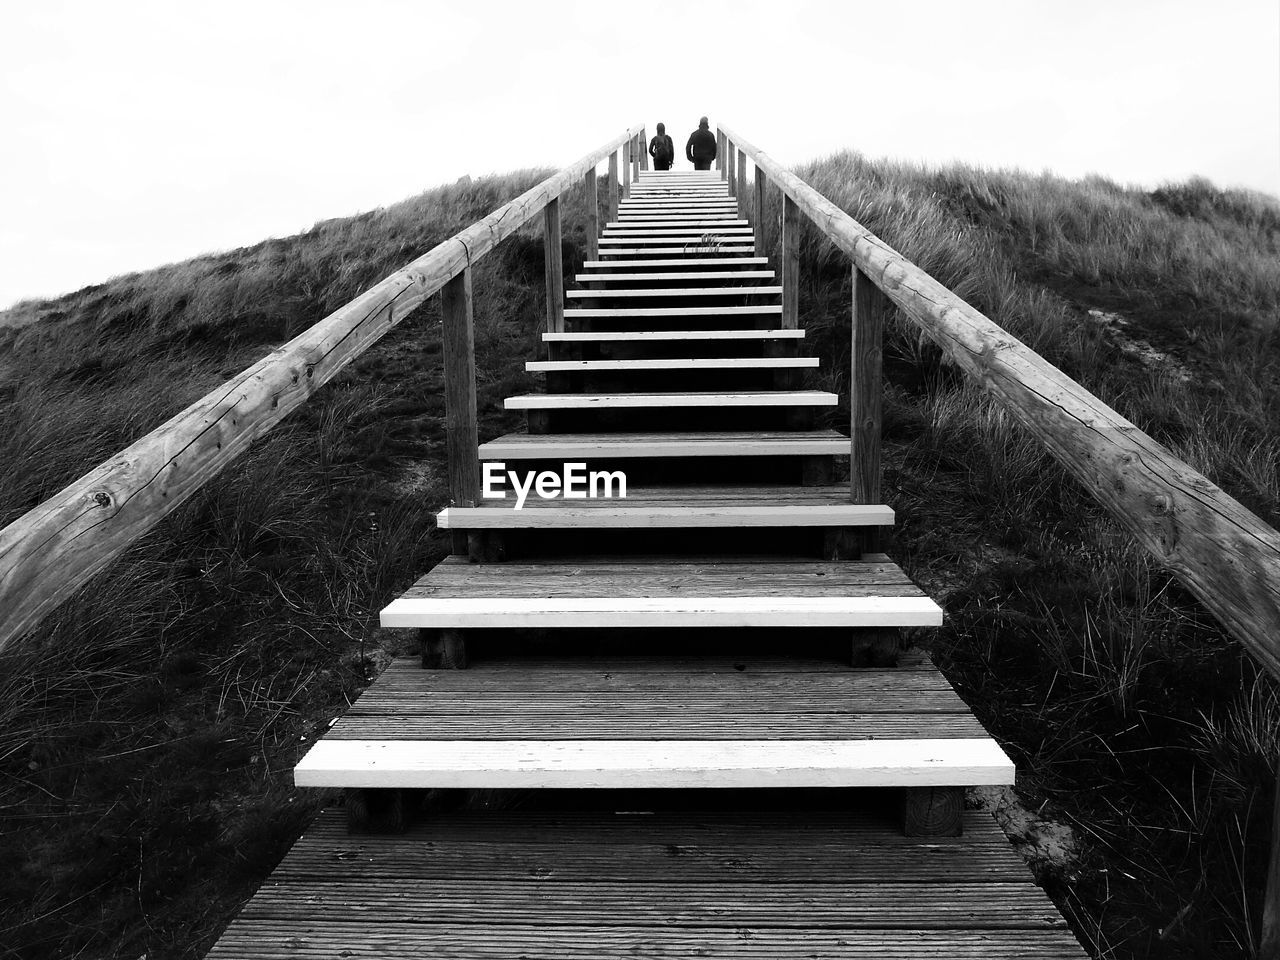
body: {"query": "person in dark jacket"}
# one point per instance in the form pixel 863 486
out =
pixel 701 148
pixel 662 149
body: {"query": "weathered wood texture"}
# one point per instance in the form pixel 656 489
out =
pixel 627 149
pixel 608 886
pixel 742 185
pixel 613 186
pixel 933 811
pixel 644 149
pixel 553 257
pixel 720 154
pixel 49 552
pixel 758 208
pixel 865 389
pixel 458 354
pixel 1224 554
pixel 789 264
pixel 729 153
pixel 592 191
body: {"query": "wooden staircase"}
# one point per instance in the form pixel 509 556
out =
pixel 717 654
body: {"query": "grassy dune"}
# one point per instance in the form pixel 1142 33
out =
pixel 147 730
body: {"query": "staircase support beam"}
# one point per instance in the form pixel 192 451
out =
pixel 592 190
pixel 869 308
pixel 459 355
pixel 554 262
pixel 789 263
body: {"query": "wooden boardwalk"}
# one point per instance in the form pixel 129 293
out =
pixel 672 773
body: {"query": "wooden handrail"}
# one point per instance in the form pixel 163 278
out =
pixel 53 549
pixel 1224 554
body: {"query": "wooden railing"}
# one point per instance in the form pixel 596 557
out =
pixel 52 550
pixel 1224 554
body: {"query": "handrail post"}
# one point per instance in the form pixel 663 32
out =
pixel 613 186
pixel 627 149
pixel 720 148
pixel 644 149
pixel 789 265
pixel 461 438
pixel 1269 940
pixel 636 151
pixel 554 261
pixel 593 214
pixel 869 306
pixel 742 184
pixel 762 185
pixel 728 164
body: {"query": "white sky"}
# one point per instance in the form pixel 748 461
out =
pixel 139 133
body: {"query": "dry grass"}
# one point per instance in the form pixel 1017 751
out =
pixel 1127 709
pixel 148 728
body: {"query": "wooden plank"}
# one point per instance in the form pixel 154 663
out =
pixel 858 845
pixel 409 941
pixel 681 292
pixel 53 549
pixel 501 611
pixel 604 514
pixel 459 361
pixel 690 262
pixel 614 185
pixel 1223 553
pixel 682 678
pixel 699 275
pixel 696 363
pixel 618 401
pixel 652 724
pixel 667 764
pixel 790 263
pixel 554 266
pixel 804 905
pixel 686 220
pixel 865 389
pixel 648 335
pixel 592 191
pixel 753 310
pixel 692 250
pixel 626 169
pixel 760 208
pixel 726 227
pixel 728 238
pixel 632 445
pixel 742 184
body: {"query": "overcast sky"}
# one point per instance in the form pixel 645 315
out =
pixel 139 133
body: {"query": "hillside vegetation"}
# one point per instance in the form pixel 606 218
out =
pixel 147 730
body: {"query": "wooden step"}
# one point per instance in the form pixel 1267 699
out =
pixel 408 731
pixel 726 219
pixel 675 507
pixel 713 884
pixel 689 276
pixel 584 313
pixel 621 401
pixel 680 292
pixel 458 594
pixel 617 446
pixel 719 262
pixel 691 250
pixel 679 221
pixel 727 227
pixel 645 335
pixel 692 238
pixel 689 363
